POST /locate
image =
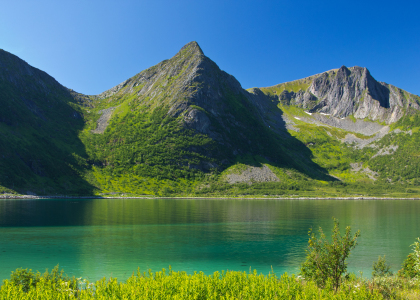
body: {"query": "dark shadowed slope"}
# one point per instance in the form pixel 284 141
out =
pixel 39 120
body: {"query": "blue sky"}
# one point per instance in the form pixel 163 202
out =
pixel 91 46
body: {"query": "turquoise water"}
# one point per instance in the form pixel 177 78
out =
pixel 113 237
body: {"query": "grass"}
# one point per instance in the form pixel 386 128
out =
pixel 219 285
pixel 291 86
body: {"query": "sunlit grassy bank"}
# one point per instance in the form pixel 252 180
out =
pixel 225 285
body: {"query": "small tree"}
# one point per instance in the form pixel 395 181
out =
pixel 416 255
pixel 411 265
pixel 327 260
pixel 381 268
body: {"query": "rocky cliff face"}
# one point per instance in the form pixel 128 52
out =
pixel 350 91
pixel 355 92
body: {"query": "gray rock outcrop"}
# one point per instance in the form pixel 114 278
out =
pixel 346 92
pixel 103 120
pixel 355 92
pixel 253 174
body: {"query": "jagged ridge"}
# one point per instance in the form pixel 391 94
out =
pixel 347 91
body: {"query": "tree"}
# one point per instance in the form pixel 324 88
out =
pixel 411 265
pixel 381 268
pixel 416 255
pixel 327 260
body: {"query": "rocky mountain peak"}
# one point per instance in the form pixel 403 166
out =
pixel 189 77
pixel 186 61
pixel 353 91
pixel 346 91
pixel 343 72
pixel 192 47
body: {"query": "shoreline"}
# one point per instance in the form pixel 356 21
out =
pixel 33 197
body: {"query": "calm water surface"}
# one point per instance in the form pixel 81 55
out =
pixel 112 237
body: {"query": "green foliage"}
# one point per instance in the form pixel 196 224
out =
pixel 180 285
pixel 408 267
pixel 148 145
pixel 403 164
pixel 381 268
pixel 327 260
pixel 292 86
pixel 411 265
pixel 416 255
pixel 27 279
pixel 393 287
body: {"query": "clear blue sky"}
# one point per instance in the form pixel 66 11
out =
pixel 91 46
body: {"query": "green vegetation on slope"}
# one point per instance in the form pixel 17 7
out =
pixel 39 122
pixel 292 86
pixel 180 128
pixel 402 165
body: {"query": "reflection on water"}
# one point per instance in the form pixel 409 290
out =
pixel 112 237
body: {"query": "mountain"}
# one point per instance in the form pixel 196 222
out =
pixel 180 119
pixel 364 132
pixel 39 123
pixel 347 92
pixel 185 127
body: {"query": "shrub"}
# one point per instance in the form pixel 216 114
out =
pixel 381 268
pixel 27 279
pixel 411 265
pixel 327 260
pixel 408 270
pixel 24 277
pixel 416 255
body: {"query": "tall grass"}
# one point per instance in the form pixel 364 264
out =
pixel 180 285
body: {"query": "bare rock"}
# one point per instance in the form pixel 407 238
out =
pixel 358 167
pixel 386 150
pixel 103 120
pixel 198 120
pixel 253 174
pixel 355 92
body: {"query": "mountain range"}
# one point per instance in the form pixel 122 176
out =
pixel 185 127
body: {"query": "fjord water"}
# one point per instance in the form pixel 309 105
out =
pixel 113 237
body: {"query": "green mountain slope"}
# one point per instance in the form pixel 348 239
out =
pixel 166 127
pixel 185 127
pixel 374 152
pixel 39 123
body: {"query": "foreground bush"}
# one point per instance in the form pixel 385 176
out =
pixel 180 285
pixel 27 279
pixel 411 265
pixel 394 287
pixel 327 260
